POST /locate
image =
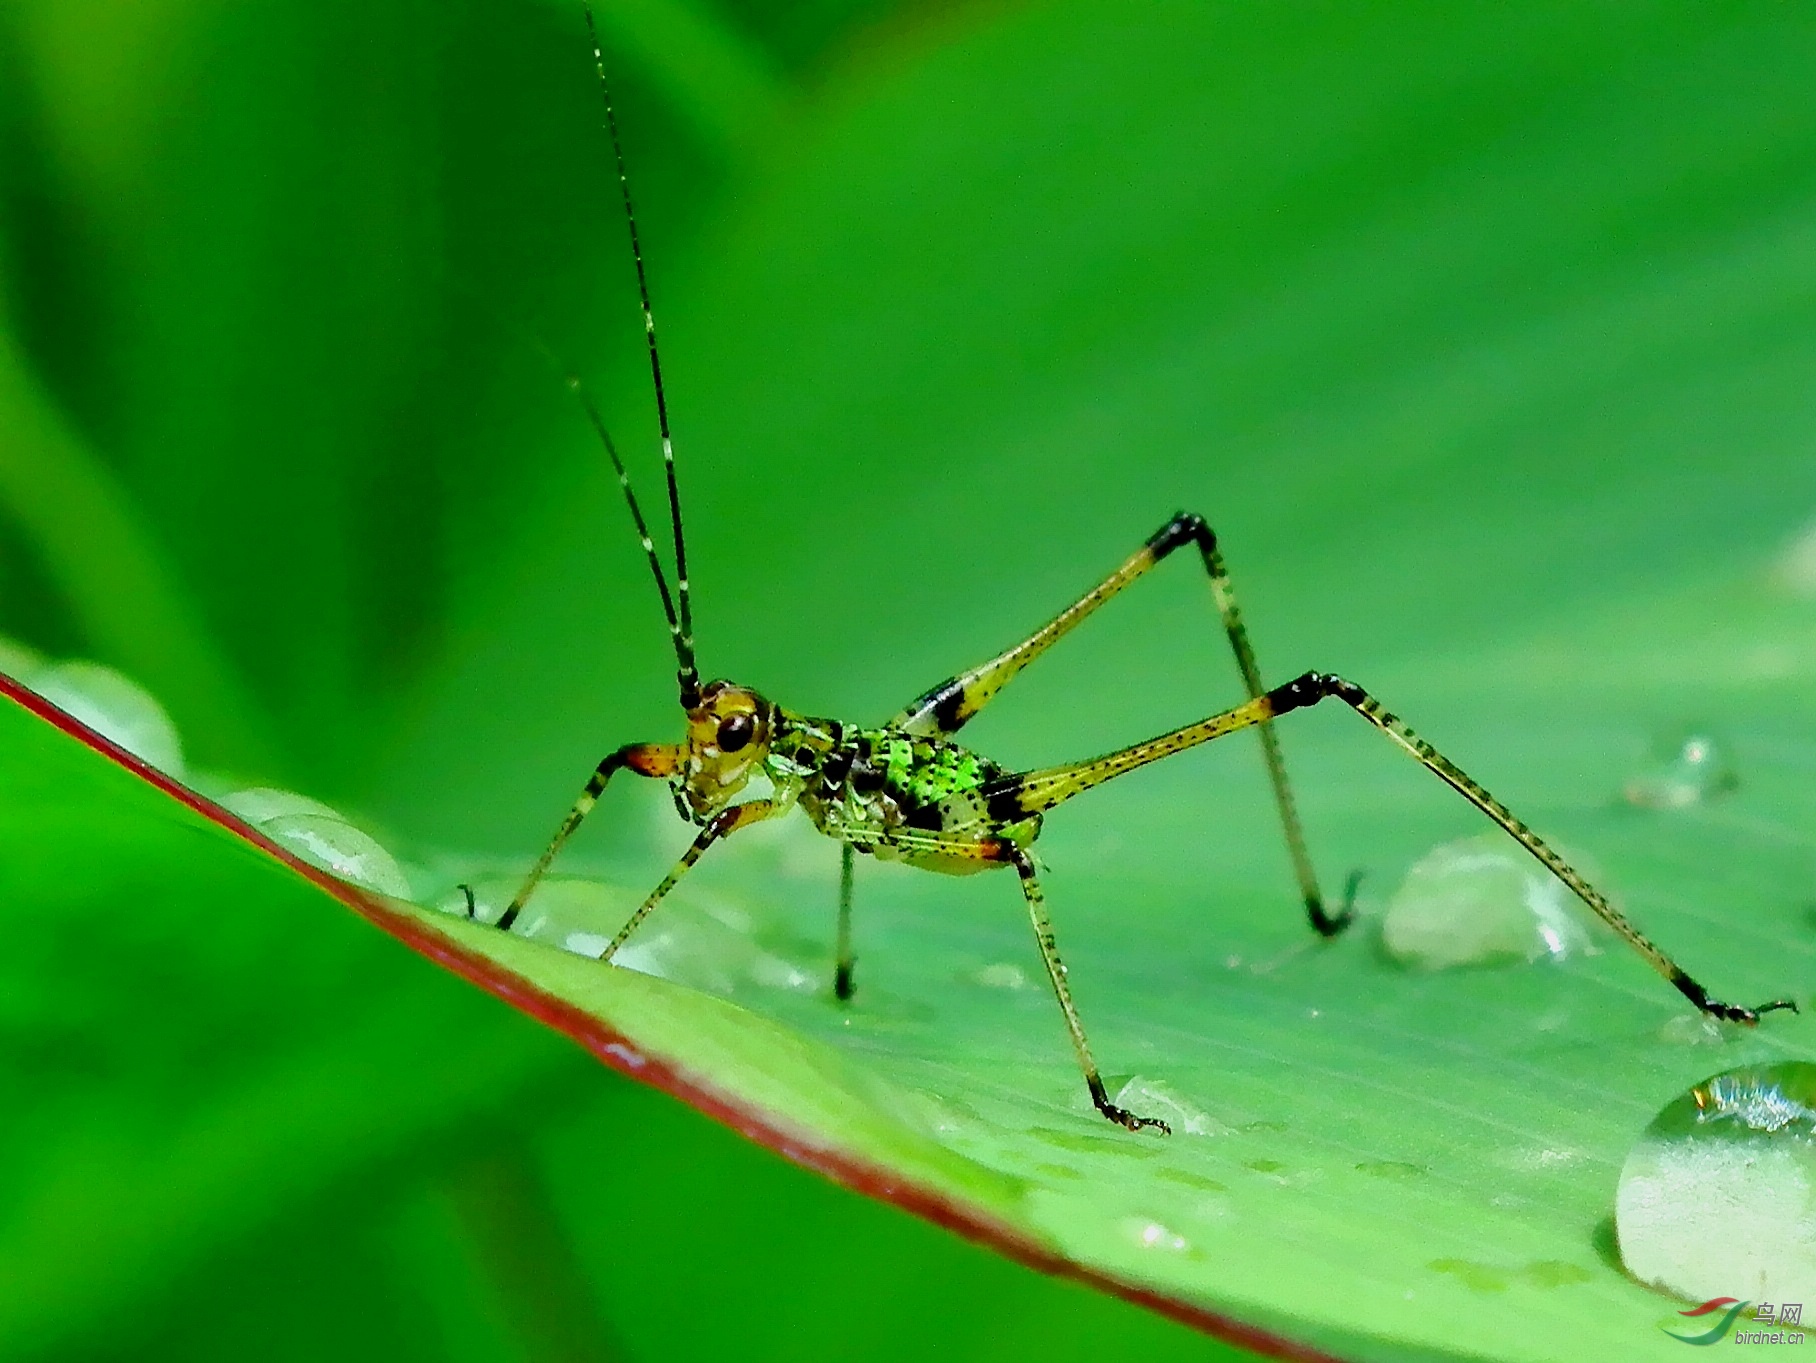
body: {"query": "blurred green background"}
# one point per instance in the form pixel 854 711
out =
pixel 1459 323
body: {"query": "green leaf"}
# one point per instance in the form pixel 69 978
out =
pixel 167 1096
pixel 1485 340
pixel 1385 1163
pixel 1486 345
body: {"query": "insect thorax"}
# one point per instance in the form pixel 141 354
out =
pixel 891 793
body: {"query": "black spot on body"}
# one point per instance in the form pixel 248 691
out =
pixel 928 818
pixel 838 765
pixel 1003 802
pixel 949 705
pixel 865 779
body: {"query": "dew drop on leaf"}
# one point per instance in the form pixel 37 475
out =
pixel 705 943
pixel 1796 567
pixel 1718 1198
pixel 337 846
pixel 1000 975
pixel 17 661
pixel 261 804
pixel 1481 900
pixel 1153 1235
pixel 321 836
pixel 1684 773
pixel 114 706
pixel 1698 1029
pixel 1158 1098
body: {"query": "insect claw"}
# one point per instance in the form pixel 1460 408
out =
pixel 1331 925
pixel 1124 1118
pixel 1747 1017
pixel 472 909
pixel 843 986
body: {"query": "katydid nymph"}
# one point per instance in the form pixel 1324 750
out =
pixel 905 790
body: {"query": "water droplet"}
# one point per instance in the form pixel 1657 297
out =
pixel 322 837
pixel 328 841
pixel 258 805
pixel 703 942
pixel 1715 1198
pixel 1685 772
pixel 1478 901
pixel 114 707
pixel 1152 1235
pixel 1699 1029
pixel 1398 1170
pixel 1157 1098
pixel 18 661
pixel 591 944
pixel 1000 975
pixel 774 972
pixel 1796 567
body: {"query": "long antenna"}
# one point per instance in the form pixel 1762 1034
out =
pixel 685 659
pixel 683 630
pixel 578 388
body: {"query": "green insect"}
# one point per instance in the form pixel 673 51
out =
pixel 905 791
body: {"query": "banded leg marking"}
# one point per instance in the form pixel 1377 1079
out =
pixel 646 759
pixel 946 708
pixel 1315 686
pixel 723 824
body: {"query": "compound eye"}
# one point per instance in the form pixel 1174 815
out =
pixel 736 731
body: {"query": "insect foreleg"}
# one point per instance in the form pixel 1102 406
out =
pixel 646 759
pixel 725 822
pixel 949 706
pixel 1315 686
pixel 842 983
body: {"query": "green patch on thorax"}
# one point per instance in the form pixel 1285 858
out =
pixel 931 772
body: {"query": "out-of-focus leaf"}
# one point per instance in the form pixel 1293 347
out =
pixel 164 1093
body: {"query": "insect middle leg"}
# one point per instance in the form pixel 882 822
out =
pixel 842 984
pixel 946 708
pixel 1003 851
